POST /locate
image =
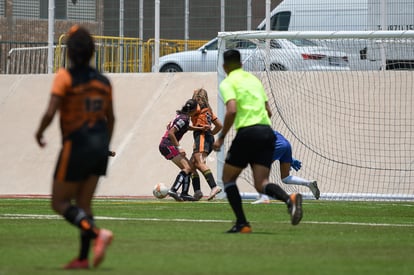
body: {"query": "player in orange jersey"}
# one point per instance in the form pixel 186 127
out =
pixel 83 97
pixel 203 143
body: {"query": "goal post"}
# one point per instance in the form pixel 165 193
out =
pixel 351 125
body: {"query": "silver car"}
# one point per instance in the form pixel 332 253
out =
pixel 281 55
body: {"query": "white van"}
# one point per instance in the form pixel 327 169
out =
pixel 350 15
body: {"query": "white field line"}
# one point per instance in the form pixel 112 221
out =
pixel 56 217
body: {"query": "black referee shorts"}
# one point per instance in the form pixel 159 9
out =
pixel 252 145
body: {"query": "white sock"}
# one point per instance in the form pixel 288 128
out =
pixel 295 180
pixel 264 197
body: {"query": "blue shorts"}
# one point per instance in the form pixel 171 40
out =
pixel 283 149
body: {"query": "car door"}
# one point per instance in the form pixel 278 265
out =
pixel 206 58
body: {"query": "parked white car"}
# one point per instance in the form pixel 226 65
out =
pixel 285 55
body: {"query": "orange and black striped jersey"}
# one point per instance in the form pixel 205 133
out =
pixel 203 117
pixel 86 94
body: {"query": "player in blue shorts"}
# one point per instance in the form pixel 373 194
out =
pixel 283 153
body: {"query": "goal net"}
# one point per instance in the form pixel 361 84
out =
pixel 345 102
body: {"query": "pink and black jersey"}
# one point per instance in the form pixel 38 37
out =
pixel 181 122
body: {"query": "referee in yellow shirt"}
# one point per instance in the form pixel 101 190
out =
pixel 247 107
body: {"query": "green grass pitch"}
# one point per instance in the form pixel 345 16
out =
pixel 166 237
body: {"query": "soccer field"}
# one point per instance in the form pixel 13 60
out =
pixel 166 237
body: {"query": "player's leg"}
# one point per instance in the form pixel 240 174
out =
pixel 182 179
pixel 195 180
pixel 200 164
pixel 62 194
pixel 295 180
pixel 103 237
pixel 230 175
pixel 261 162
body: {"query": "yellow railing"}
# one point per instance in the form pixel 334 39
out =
pixel 126 55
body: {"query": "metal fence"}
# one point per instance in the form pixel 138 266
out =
pixel 22 51
pixel 27 21
pixel 112 55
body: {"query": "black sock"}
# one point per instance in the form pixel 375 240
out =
pixel 186 184
pixel 195 179
pixel 85 242
pixel 276 192
pixel 78 217
pixel 209 178
pixel 234 198
pixel 178 181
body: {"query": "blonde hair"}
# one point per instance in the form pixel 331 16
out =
pixel 201 96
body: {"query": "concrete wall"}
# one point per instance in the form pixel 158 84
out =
pixel 352 131
pixel 144 104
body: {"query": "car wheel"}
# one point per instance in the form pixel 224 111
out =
pixel 171 68
pixel 277 67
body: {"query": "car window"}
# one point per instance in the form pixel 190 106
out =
pixel 232 44
pixel 240 44
pixel 303 42
pixel 212 46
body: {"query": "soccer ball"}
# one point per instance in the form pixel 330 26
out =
pixel 160 191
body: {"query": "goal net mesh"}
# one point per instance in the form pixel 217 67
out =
pixel 352 127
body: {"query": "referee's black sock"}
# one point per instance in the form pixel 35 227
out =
pixel 234 198
pixel 276 192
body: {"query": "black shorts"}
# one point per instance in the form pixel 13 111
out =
pixel 252 145
pixel 203 142
pixel 84 153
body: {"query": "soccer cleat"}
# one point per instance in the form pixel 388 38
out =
pixel 187 197
pixel 216 189
pixel 77 264
pixel 313 186
pixel 295 208
pixel 241 228
pixel 174 195
pixel 261 201
pixel 198 195
pixel 102 241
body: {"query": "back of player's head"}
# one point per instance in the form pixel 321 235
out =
pixel 188 107
pixel 231 56
pixel 201 96
pixel 80 46
pixel 231 60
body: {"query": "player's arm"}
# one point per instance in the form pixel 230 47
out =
pixel 110 119
pixel 217 126
pixel 196 128
pixel 229 117
pixel 231 110
pixel 269 111
pixel 174 141
pixel 47 118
